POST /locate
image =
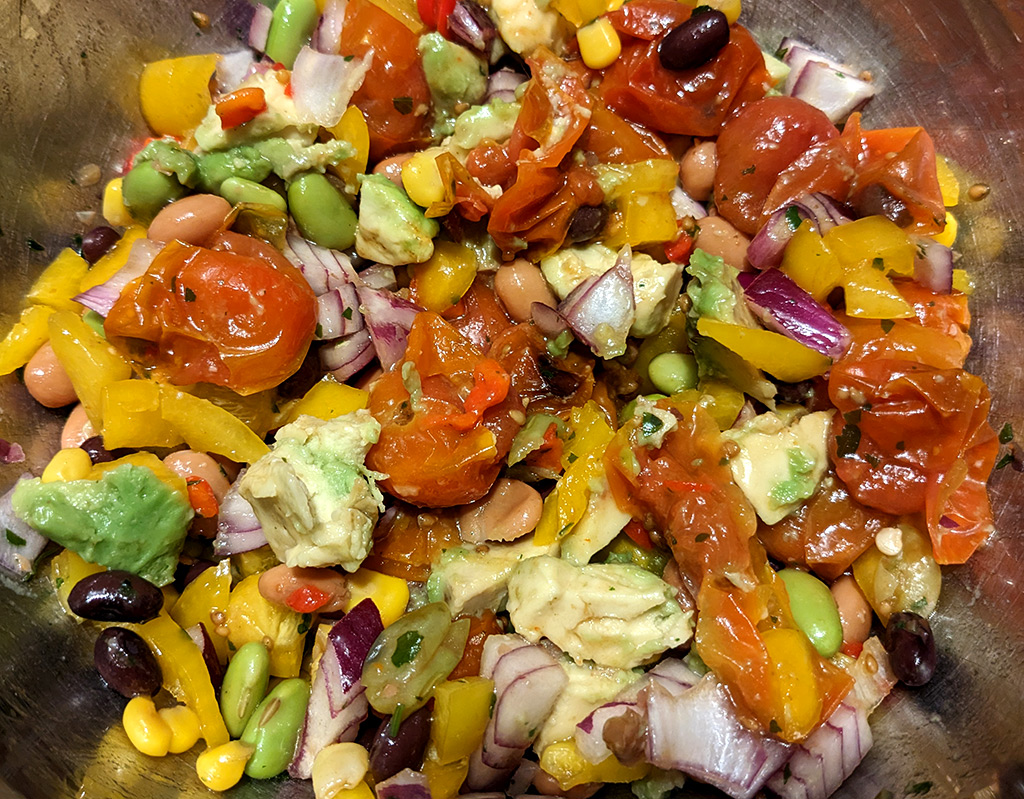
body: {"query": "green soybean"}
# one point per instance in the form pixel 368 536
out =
pixel 320 212
pixel 293 23
pixel 240 190
pixel 273 730
pixel 672 372
pixel 814 610
pixel 245 685
pixel 146 190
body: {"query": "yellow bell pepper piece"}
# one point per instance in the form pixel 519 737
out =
pixel 776 354
pixel 352 128
pixel 91 363
pixel 328 399
pixel 185 674
pixel 209 428
pixel 810 264
pixel 963 282
pixel 114 211
pixel 643 218
pixel 564 761
pixel 948 235
pixel 871 295
pixel 792 681
pixel 250 617
pixel 29 333
pixel 462 709
pixel 109 264
pixel 445 276
pixel 175 93
pixel 132 417
pixel 246 564
pixel 948 184
pixel 874 240
pixel 652 176
pixel 203 599
pixel 404 11
pixel 445 779
pixel 59 282
pixel 421 178
pixel 389 594
pixel 66 569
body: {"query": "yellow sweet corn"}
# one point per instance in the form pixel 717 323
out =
pixel 68 464
pixel 599 43
pixel 361 791
pixel 221 767
pixel 145 728
pixel 339 767
pixel 564 761
pixel 389 594
pixel 114 210
pixel 184 725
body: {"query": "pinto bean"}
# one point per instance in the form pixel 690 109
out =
pixel 509 511
pixel 187 463
pixel 46 379
pixel 77 429
pixel 519 285
pixel 854 611
pixel 193 220
pixel 280 583
pixel 697 170
pixel 719 237
pixel 391 168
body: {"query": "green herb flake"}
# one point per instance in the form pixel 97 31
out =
pixel 347 313
pixel 854 416
pixel 1006 434
pixel 848 441
pixel 58 583
pixel 1004 461
pixel 786 773
pixel 305 623
pixel 407 648
pixel 403 105
pixel 700 538
pixel 749 170
pixel 887 325
pixel 873 460
pixel 919 788
pixel 901 446
pixel 793 218
pixel 650 424
pixel 13 538
pixel 878 263
pixel 572 458
pixel 774 727
pixel 396 721
pixel 34 245
pixel 190 296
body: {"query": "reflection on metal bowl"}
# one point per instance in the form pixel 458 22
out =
pixel 68 101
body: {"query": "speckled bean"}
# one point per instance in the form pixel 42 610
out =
pixel 193 220
pixel 391 168
pixel 47 381
pixel 697 170
pixel 718 237
pixel 519 285
pixel 279 583
pixel 77 429
pixel 854 611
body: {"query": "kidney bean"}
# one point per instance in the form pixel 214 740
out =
pixel 697 170
pixel 193 220
pixel 281 583
pixel 718 237
pixel 519 285
pixel 97 242
pixel 115 595
pixel 99 453
pixel 694 42
pixel 908 640
pixel 77 428
pixel 390 753
pixel 126 663
pixel 46 379
pixel 509 511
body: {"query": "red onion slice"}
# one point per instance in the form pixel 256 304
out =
pixel 684 205
pixel 322 84
pixel 379 276
pixel 323 269
pixel 238 529
pixel 101 298
pixel 388 318
pixel 502 85
pixel 345 357
pixel 469 24
pixel 769 244
pixel 259 29
pixel 797 54
pixel 406 784
pixel 337 313
pixel 933 268
pixel 835 92
pixel 11 452
pixel 549 321
pixel 232 69
pixel 20 544
pixel 328 32
pixel 601 309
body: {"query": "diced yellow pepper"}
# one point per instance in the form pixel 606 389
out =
pixel 962 281
pixel 209 428
pixel 445 276
pixel 948 235
pixel 655 175
pixel 328 399
pixel 185 674
pixel 114 210
pixel 203 599
pixel 779 355
pixel 948 184
pixel 599 43
pixel 874 240
pixel 132 417
pixel 91 363
pixel 69 464
pixel 564 761
pixel 257 561
pixel 870 294
pixel 59 282
pixel 792 681
pixel 111 263
pixel 352 128
pixel 66 569
pixel 646 218
pixel 175 93
pixel 810 264
pixel 251 617
pixel 723 401
pixel 421 179
pixel 445 779
pixel 29 333
pixel 171 597
pixel 404 11
pixel 389 594
pixel 462 709
pixel 580 12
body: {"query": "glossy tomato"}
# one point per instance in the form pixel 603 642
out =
pixel 237 315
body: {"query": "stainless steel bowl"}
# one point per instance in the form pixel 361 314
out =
pixel 68 80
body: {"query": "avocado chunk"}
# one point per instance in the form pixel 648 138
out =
pixel 392 228
pixel 454 74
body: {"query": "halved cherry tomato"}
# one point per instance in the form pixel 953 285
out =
pixel 241 106
pixel 637 534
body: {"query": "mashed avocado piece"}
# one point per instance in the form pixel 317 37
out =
pixel 454 74
pixel 127 519
pixel 616 615
pixel 392 228
pixel 316 500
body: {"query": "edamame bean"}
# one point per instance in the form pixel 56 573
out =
pixel 672 372
pixel 293 23
pixel 146 190
pixel 322 215
pixel 273 730
pixel 240 190
pixel 814 610
pixel 245 685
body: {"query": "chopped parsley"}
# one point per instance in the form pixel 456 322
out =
pixel 1006 434
pixel 848 441
pixel 407 648
pixel 793 218
pixel 887 325
pixel 190 296
pixel 403 105
pixel 14 538
pixel 650 424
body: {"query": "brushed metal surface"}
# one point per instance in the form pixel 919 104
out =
pixel 68 73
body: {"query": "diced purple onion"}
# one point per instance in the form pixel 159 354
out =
pixel 698 732
pixel 337 313
pixel 232 69
pixel 873 677
pixel 502 85
pixel 201 637
pixel 20 544
pixel 345 357
pixel 379 276
pixel 11 452
pixel 323 269
pixel 328 32
pixel 786 308
pixel 337 698
pixel 819 765
pixel 406 784
pixel 470 24
pixel 549 321
pixel 797 54
pixel 838 94
pixel 323 83
pixel 389 319
pixel 259 29
pixel 769 244
pixel 684 205
pixel 933 269
pixel 522 778
pixel 101 298
pixel 238 529
pixel 601 309
pixel 825 212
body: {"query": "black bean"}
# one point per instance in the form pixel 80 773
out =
pixel 115 596
pixel 97 242
pixel 586 223
pixel 126 663
pixel 99 453
pixel 694 42
pixel 389 753
pixel 908 640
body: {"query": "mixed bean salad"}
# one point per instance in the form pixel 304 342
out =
pixel 508 398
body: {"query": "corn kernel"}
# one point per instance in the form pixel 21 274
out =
pixel 948 235
pixel 422 179
pixel 222 766
pixel 361 791
pixel 389 594
pixel 69 464
pixel 184 724
pixel 948 184
pixel 339 767
pixel 599 43
pixel 114 209
pixel 145 728
pixel 731 8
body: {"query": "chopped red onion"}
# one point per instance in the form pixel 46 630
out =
pixel 388 318
pixel 406 784
pixel 601 309
pixel 338 313
pixel 259 29
pixel 470 24
pixel 549 321
pixel 379 276
pixel 344 357
pixel 323 269
pixel 836 93
pixel 786 308
pixel 502 85
pixel 232 69
pixel 201 638
pixel 933 269
pixel 101 298
pixel 684 205
pixel 11 452
pixel 796 54
pixel 337 698
pixel 873 677
pixel 20 544
pixel 522 778
pixel 328 32
pixel 769 244
pixel 825 212
pixel 322 84
pixel 238 529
